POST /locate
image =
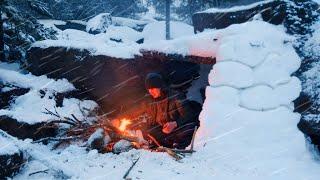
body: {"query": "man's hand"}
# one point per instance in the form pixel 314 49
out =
pixel 169 127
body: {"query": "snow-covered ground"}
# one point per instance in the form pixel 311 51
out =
pixel 121 30
pixel 248 127
pixel 7 146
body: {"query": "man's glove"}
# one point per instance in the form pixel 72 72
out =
pixel 169 127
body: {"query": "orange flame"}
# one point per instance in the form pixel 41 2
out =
pixel 123 124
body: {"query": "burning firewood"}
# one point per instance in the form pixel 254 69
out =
pixel 106 135
pixel 84 130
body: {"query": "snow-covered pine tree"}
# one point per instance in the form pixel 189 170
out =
pixel 41 7
pixel 86 9
pixel 2 57
pixel 21 29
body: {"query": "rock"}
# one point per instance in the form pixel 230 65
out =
pixel 122 146
pixel 10 164
pixel 113 83
pixel 23 130
pixel 98 140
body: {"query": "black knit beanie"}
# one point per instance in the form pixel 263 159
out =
pixel 154 80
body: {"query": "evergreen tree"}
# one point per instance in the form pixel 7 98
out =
pixel 2 57
pixel 20 29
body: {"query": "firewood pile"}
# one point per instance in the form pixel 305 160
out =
pixel 106 135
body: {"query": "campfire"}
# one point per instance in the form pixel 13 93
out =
pixel 123 124
pixel 105 135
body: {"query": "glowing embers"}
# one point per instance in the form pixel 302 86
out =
pixel 123 124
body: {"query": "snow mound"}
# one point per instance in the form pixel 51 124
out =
pixel 34 82
pixel 30 107
pixel 75 35
pixel 156 31
pixel 96 44
pixel 99 23
pixel 201 45
pixel 51 23
pixel 124 33
pixel 132 23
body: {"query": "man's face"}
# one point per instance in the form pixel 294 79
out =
pixel 155 92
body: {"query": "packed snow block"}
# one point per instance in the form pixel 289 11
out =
pixel 10 164
pixel 241 76
pixel 24 130
pixel 273 12
pixel 114 83
pixel 263 97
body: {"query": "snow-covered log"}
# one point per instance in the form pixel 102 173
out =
pixel 270 11
pixel 11 158
pixel 294 14
pixel 24 130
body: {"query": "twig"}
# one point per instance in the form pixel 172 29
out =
pixel 37 172
pixel 55 139
pixel 154 140
pixel 172 152
pixel 76 119
pixel 183 151
pixel 175 155
pixel 61 122
pixel 131 167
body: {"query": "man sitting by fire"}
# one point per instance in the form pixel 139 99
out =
pixel 172 117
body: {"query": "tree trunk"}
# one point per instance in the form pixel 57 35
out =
pixel 2 56
pixel 167 19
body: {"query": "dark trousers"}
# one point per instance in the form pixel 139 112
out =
pixel 179 138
